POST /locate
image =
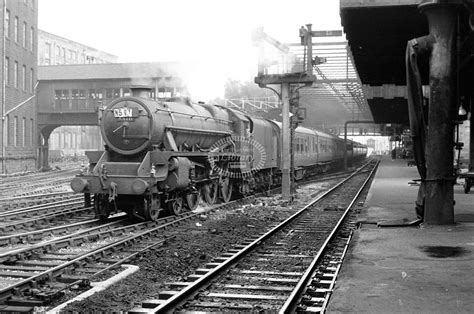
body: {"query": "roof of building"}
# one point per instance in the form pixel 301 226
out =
pixel 110 71
pixel 44 34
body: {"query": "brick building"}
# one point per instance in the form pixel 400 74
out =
pixel 18 132
pixel 57 50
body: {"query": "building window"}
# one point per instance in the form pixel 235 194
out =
pixel 23 72
pixel 23 129
pixel 61 99
pixel 7 133
pixel 32 80
pixel 15 75
pixel 15 29
pixel 24 35
pixel 32 39
pixel 32 131
pixel 47 54
pixel 15 131
pixel 57 98
pixel 7 23
pixel 7 71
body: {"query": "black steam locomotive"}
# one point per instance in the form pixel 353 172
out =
pixel 162 156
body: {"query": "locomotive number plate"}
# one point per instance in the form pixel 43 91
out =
pixel 125 112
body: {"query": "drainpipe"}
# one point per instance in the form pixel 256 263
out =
pixel 4 126
pixel 439 191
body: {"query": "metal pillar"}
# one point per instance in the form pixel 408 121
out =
pixel 43 147
pixel 285 142
pixel 439 196
pixel 471 142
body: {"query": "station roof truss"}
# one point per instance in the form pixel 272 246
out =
pixel 337 81
pixel 337 78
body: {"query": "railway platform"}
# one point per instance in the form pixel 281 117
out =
pixel 405 268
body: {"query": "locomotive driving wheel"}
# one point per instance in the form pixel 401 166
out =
pixel 151 208
pixel 176 206
pixel 226 189
pixel 192 199
pixel 210 192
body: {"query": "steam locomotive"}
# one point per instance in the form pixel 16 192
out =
pixel 164 156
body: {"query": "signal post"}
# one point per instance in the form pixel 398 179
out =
pixel 303 76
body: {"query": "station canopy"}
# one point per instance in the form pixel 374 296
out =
pixel 337 95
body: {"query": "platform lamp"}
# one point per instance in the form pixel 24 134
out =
pixel 462 112
pixel 462 115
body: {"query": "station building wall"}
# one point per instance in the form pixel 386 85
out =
pixel 18 133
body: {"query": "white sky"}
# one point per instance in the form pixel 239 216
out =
pixel 214 32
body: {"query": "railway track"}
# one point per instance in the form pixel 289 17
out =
pixel 37 274
pixel 38 183
pixel 14 202
pixel 271 271
pixel 38 270
pixel 41 216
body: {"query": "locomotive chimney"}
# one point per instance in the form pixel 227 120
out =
pixel 141 91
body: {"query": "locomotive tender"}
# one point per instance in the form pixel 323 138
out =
pixel 163 155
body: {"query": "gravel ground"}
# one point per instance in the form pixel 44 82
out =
pixel 193 245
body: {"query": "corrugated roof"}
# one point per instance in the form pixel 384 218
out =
pixel 111 71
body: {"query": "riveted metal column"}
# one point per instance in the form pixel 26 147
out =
pixel 471 142
pixel 439 208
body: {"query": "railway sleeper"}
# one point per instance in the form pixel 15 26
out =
pixel 253 287
pixel 71 278
pixel 26 302
pixel 249 297
pixel 152 303
pixel 17 274
pixel 164 295
pixel 39 263
pixel 23 268
pixel 283 274
pixel 177 284
pixel 233 306
pixel 317 292
pixel 17 309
